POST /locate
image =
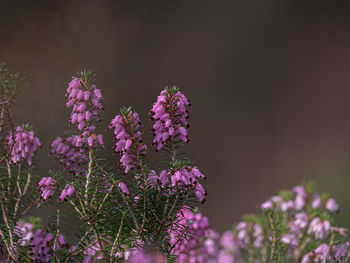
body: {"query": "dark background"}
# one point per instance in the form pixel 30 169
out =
pixel 268 80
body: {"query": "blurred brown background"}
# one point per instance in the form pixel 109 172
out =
pixel 269 83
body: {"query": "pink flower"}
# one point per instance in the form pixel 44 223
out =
pixel 24 145
pixel 47 187
pixel 123 188
pixel 66 192
pixel 287 205
pixel 25 232
pixel 319 228
pixel 128 136
pixel 332 205
pixel 85 100
pixel 320 254
pixel 339 230
pixel 267 205
pixel 69 153
pixel 170 115
pixel 316 201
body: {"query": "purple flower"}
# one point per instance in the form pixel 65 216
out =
pixel 299 223
pixel 258 234
pixel 42 245
pixel 320 254
pixel 86 103
pixel 69 153
pixel 339 230
pixel 25 231
pixel 319 228
pixel 140 256
pixel 170 116
pixel 184 179
pixel 47 187
pixel 300 190
pixel 290 239
pixel 287 205
pixel 245 233
pixel 66 192
pixel 93 252
pixel 332 205
pixel 187 222
pixel 128 136
pixel 316 201
pixel 123 188
pixel 228 241
pixel 267 205
pixel 339 253
pixel 24 145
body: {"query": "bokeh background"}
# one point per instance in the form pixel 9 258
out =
pixel 268 80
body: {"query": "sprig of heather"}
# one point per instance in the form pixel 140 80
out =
pixel 170 115
pixel 70 154
pixel 24 145
pixel 192 240
pixel 182 178
pixel 85 100
pixel 47 187
pixel 129 144
pixel 39 244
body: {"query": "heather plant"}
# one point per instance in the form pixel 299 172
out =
pixel 130 211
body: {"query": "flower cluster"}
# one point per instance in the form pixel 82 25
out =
pixel 66 192
pixel 323 254
pixel 181 179
pixel 47 187
pixel 24 232
pixel 190 228
pixel 93 253
pixel 150 219
pixel 202 244
pixel 306 214
pixel 86 103
pixel 42 244
pixel 304 233
pixel 140 256
pixel 250 234
pixel 69 154
pixel 126 127
pixel 170 115
pixel 24 144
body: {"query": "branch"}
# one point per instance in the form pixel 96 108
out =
pixel 117 237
